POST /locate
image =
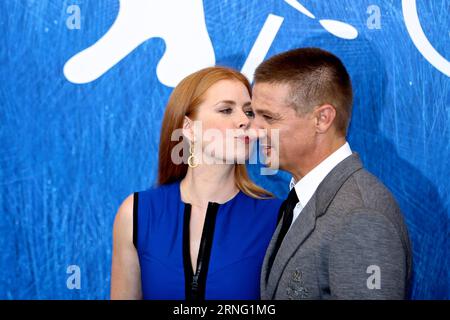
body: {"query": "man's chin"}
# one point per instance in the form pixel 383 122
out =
pixel 267 151
pixel 270 159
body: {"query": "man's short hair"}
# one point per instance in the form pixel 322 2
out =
pixel 315 77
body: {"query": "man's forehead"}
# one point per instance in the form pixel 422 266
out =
pixel 271 92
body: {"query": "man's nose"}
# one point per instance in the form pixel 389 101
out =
pixel 256 123
pixel 256 130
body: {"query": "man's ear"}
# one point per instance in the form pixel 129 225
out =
pixel 188 129
pixel 324 116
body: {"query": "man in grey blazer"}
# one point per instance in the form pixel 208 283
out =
pixel 341 234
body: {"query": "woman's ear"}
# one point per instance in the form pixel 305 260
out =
pixel 188 129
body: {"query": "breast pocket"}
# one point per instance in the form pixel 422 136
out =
pixel 299 279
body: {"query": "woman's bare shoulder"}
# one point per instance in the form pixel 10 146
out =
pixel 123 223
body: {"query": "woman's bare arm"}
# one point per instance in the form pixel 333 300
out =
pixel 125 274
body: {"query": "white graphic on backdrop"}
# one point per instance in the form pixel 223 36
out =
pixel 180 23
pixel 420 40
pixel 262 45
pixel 337 28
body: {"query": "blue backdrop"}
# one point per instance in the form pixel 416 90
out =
pixel 74 145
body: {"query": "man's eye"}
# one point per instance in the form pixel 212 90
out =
pixel 265 116
pixel 226 111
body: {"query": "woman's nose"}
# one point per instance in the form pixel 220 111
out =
pixel 243 121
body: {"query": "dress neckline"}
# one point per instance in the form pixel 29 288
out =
pixel 226 203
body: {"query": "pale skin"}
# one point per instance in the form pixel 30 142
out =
pixel 226 105
pixel 305 140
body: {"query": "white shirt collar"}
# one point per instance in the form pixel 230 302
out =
pixel 307 186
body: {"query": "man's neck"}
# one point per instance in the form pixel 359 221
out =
pixel 318 154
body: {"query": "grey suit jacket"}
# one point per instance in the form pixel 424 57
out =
pixel 349 242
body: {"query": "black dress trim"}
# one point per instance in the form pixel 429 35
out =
pixel 188 273
pixel 281 214
pixel 135 218
pixel 195 283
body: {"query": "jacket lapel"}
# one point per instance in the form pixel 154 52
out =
pixel 305 223
pixel 299 231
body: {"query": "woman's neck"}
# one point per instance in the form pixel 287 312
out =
pixel 208 183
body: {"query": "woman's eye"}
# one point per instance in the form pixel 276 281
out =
pixel 250 114
pixel 226 111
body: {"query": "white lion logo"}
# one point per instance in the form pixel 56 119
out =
pixel 181 24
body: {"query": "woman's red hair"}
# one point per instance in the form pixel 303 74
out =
pixel 184 101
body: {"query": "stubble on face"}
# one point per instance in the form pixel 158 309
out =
pixel 273 111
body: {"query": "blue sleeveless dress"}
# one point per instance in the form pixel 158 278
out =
pixel 234 240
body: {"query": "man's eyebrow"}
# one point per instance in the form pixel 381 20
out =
pixel 266 111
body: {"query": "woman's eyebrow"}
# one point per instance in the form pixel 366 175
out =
pixel 231 102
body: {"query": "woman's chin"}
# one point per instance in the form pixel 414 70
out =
pixel 230 159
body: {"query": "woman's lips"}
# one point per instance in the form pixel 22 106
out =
pixel 245 139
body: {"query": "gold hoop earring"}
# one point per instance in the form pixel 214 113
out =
pixel 191 159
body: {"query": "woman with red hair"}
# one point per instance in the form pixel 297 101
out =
pixel 203 231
